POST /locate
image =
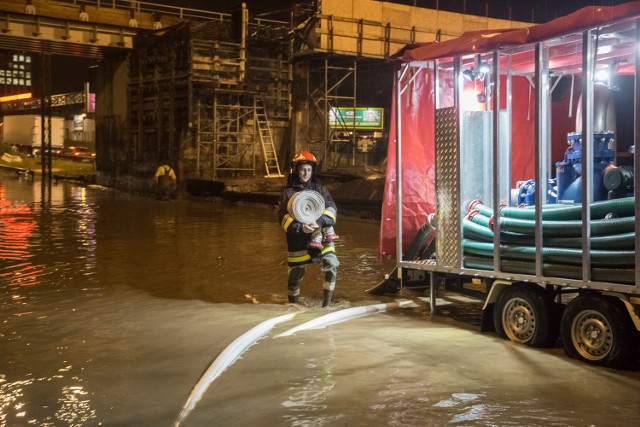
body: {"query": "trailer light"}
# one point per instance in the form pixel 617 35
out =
pixel 602 75
pixel 484 68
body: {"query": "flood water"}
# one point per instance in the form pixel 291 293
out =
pixel 113 305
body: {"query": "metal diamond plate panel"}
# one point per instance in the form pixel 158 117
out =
pixel 448 187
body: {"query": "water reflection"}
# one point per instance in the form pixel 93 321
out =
pixel 113 305
pixel 75 407
pixel 16 230
pixel 307 402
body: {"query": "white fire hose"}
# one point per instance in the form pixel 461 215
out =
pixel 306 206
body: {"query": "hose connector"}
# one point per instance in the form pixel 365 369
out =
pixel 472 213
pixel 431 220
pixel 474 203
pixel 492 222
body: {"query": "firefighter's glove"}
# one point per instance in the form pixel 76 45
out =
pixel 325 221
pixel 309 228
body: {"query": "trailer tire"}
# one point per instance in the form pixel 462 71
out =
pixel 522 314
pixel 595 329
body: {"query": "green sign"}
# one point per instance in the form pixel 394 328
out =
pixel 359 118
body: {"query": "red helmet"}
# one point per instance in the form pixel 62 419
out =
pixel 303 158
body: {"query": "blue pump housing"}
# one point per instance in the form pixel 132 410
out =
pixel 567 186
pixel 569 171
pixel 527 192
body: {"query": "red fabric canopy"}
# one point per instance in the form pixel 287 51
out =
pixel 488 40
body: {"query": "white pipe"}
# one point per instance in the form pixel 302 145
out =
pixel 573 78
pixel 344 315
pixel 225 359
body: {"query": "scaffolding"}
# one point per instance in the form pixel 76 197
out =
pixel 243 87
pixel 211 87
pixel 330 87
pixel 226 140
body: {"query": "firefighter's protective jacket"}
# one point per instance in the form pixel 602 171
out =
pixel 297 239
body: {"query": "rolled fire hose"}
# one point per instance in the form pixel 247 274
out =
pixel 306 206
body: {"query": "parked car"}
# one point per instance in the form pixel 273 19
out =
pixel 55 150
pixel 79 151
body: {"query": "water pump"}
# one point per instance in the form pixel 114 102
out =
pixel 569 170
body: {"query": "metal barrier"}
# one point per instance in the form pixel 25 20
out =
pixel 148 7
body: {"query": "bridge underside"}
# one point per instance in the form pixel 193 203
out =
pixel 32 33
pixel 33 45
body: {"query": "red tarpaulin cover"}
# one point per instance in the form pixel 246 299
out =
pixel 418 164
pixel 418 155
pixel 488 40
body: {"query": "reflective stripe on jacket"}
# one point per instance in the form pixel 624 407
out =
pixel 297 239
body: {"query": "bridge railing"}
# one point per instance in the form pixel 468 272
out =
pixel 149 7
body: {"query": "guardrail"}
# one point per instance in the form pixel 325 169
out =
pixel 58 100
pixel 148 7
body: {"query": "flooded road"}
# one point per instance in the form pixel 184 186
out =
pixel 113 305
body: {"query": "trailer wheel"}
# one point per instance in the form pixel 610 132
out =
pixel 523 315
pixel 596 329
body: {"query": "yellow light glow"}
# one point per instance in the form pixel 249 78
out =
pixel 7 98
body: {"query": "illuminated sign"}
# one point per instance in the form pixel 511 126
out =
pixel 78 121
pixel 359 118
pixel 15 97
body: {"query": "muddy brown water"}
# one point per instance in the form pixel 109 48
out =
pixel 113 305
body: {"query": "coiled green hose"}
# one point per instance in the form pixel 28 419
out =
pixel 612 240
pixel 483 209
pixel 551 254
pixel 475 231
pixel 424 233
pixel 621 207
pixel 478 218
pixel 616 275
pixel 572 228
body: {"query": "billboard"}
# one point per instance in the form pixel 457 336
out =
pixel 358 118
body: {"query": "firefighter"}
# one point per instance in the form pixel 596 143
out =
pixel 302 177
pixel 164 182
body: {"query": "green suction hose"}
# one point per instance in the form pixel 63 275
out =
pixel 617 275
pixel 475 231
pixel 623 207
pixel 573 228
pixel 424 233
pixel 483 209
pixel 478 218
pixel 551 254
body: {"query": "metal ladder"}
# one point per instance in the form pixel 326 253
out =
pixel 266 140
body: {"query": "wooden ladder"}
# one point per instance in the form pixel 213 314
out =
pixel 266 140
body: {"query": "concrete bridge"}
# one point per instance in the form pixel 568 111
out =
pixel 85 28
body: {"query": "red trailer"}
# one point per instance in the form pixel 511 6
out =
pixel 511 177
